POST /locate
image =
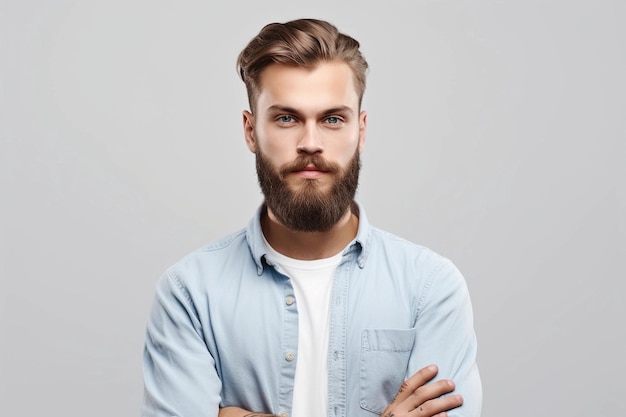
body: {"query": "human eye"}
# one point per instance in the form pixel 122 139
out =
pixel 285 119
pixel 334 121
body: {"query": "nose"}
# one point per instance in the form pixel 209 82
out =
pixel 310 142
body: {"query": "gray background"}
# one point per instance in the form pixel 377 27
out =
pixel 496 137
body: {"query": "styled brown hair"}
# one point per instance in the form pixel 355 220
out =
pixel 303 43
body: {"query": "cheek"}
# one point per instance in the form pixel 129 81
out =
pixel 344 150
pixel 276 145
pixel 278 151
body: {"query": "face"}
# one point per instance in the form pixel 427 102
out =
pixel 307 134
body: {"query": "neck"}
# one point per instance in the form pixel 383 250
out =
pixel 309 245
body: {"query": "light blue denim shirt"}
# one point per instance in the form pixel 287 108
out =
pixel 223 330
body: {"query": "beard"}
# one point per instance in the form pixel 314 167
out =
pixel 309 208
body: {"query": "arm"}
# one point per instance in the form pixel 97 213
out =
pixel 179 372
pixel 445 335
pixel 414 394
pixel 240 412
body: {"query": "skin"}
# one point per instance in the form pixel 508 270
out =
pixel 416 398
pixel 317 111
pixel 301 111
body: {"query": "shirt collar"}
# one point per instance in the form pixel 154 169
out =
pixel 254 236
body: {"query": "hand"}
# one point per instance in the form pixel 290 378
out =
pixel 240 412
pixel 416 399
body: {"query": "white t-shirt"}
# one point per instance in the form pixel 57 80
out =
pixel 312 283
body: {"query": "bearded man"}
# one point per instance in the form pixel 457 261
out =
pixel 310 311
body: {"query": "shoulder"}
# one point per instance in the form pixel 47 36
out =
pixel 209 260
pixel 417 263
pixel 221 247
pixel 400 248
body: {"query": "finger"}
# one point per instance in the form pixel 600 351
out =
pixel 425 393
pixel 438 407
pixel 410 385
pixel 415 381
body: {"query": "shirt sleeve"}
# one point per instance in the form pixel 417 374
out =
pixel 180 377
pixel 445 336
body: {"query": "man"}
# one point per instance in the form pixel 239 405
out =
pixel 309 311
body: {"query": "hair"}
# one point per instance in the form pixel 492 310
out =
pixel 303 43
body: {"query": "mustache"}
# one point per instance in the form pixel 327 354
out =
pixel 306 160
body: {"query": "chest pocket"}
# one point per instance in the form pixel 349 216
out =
pixel 384 361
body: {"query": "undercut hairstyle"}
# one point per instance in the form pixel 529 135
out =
pixel 303 43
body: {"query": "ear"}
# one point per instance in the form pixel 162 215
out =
pixel 248 130
pixel 362 129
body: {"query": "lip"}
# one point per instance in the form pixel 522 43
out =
pixel 310 171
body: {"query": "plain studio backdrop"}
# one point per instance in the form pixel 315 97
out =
pixel 497 134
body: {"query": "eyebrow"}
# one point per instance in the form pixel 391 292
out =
pixel 286 109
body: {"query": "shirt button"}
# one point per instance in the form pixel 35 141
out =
pixel 283 414
pixel 289 357
pixel 289 300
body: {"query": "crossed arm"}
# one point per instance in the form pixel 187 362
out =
pixel 180 374
pixel 415 398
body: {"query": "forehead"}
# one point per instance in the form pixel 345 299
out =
pixel 327 85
